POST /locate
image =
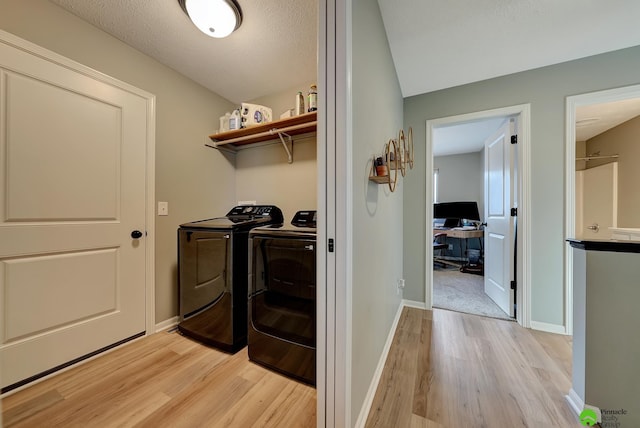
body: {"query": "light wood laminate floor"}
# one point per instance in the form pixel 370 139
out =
pixel 445 369
pixel 164 380
pixel 448 369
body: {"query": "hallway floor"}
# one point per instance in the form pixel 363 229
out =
pixel 448 369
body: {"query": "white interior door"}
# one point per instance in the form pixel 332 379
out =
pixel 72 190
pixel 499 232
pixel 597 201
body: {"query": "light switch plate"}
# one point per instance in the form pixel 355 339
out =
pixel 163 208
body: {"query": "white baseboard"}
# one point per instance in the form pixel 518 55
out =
pixel 166 324
pixel 373 386
pixel 577 405
pixel 574 400
pixel 413 304
pixel 162 326
pixel 549 328
pixel 67 368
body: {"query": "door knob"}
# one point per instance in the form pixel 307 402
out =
pixel 136 234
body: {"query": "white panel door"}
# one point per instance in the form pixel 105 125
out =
pixel 597 201
pixel 72 190
pixel 499 232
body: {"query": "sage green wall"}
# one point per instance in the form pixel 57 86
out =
pixel 623 140
pixel 198 182
pixel 263 175
pixel 377 213
pixel 461 178
pixel 546 90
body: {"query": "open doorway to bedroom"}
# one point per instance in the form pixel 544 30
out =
pixel 459 213
pixel 461 268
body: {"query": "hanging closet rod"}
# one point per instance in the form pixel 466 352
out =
pixel 588 158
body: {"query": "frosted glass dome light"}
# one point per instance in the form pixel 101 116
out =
pixel 215 18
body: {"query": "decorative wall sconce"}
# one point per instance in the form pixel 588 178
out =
pixel 398 154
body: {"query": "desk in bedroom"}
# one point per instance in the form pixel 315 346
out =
pixel 462 234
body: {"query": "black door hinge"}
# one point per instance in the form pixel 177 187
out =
pixel 330 245
pixel 514 139
pixel 514 212
pixel 513 285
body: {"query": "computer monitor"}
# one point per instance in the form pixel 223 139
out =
pixel 454 212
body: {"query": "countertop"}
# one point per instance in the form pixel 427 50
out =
pixel 605 245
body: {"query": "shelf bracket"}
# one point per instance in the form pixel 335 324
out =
pixel 222 148
pixel 287 148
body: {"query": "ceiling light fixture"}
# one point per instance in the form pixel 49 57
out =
pixel 215 18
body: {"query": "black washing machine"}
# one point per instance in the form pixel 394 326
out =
pixel 212 275
pixel 282 299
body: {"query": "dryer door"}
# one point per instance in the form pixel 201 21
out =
pixel 283 288
pixel 204 268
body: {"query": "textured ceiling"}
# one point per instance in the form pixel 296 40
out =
pixel 438 44
pixel 435 44
pixel 273 50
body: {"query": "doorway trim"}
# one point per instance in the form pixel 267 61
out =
pixel 523 113
pixel 572 103
pixel 334 216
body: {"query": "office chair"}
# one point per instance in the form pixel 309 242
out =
pixel 439 244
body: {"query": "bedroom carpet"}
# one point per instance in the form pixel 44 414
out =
pixel 463 292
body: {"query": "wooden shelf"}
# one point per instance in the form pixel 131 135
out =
pixel 401 151
pixel 391 148
pixel 379 179
pixel 302 124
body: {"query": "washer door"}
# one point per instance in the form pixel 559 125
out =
pixel 205 270
pixel 283 288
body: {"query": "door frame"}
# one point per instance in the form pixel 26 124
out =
pixel 523 113
pixel 150 99
pixel 333 348
pixel 572 103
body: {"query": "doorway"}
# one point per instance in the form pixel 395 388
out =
pixel 460 191
pixel 522 114
pixel 589 117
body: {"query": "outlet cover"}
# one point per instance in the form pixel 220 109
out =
pixel 163 208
